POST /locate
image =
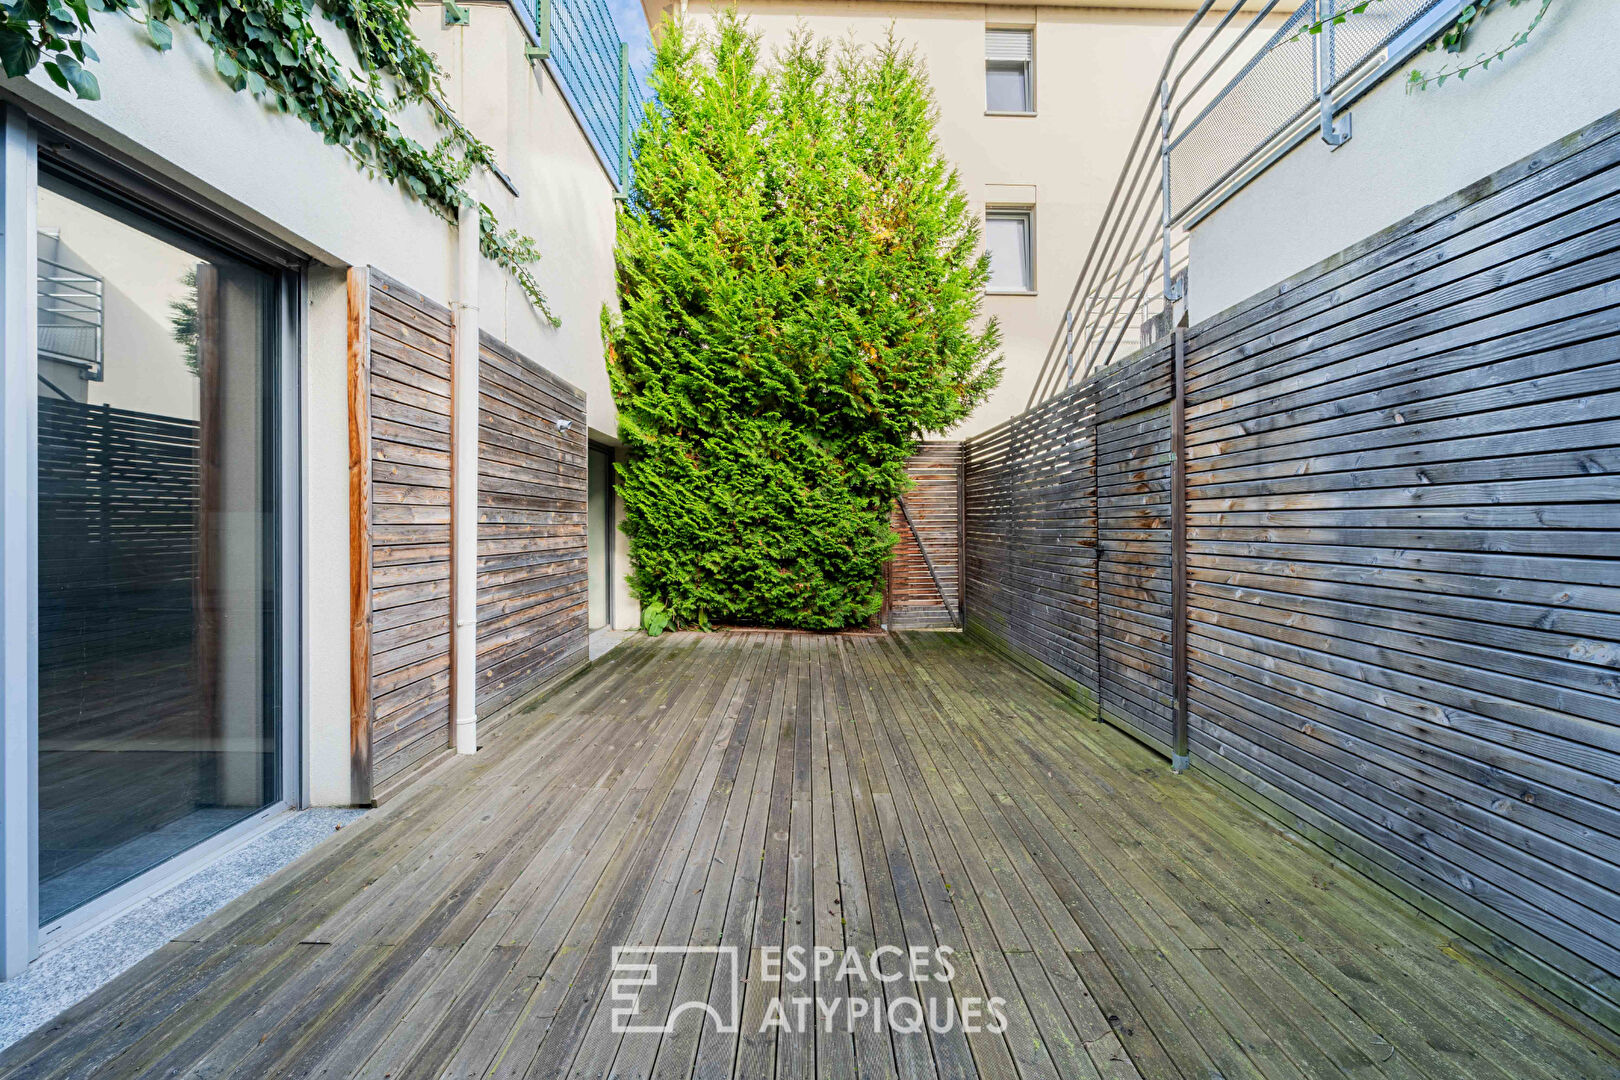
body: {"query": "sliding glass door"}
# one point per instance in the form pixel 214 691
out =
pixel 158 540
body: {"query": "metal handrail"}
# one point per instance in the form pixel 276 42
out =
pixel 578 43
pixel 1137 261
pixel 73 301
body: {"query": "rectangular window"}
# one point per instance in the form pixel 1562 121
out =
pixel 1009 71
pixel 1009 237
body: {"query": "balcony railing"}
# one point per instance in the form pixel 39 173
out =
pixel 582 48
pixel 1232 98
pixel 70 305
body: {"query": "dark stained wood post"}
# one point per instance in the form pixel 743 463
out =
pixel 1179 759
pixel 1095 452
pixel 360 701
pixel 961 535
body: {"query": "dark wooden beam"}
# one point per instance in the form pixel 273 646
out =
pixel 1178 553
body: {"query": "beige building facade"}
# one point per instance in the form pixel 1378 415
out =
pixel 1048 168
pixel 1041 170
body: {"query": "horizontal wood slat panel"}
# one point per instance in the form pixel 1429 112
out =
pixel 1030 536
pixel 531 529
pixel 531 532
pixel 1391 480
pixel 408 507
pixel 1402 557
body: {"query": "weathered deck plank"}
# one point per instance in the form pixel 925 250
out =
pixel 858 792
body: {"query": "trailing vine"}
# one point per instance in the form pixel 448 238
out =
pixel 1452 40
pixel 272 50
pixel 1454 37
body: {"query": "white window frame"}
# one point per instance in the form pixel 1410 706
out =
pixel 1029 72
pixel 1025 212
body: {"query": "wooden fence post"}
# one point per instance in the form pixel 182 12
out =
pixel 961 535
pixel 360 700
pixel 1179 757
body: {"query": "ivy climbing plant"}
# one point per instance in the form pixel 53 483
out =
pixel 1452 40
pixel 1457 34
pixel 272 50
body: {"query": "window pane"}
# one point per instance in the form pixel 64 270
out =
pixel 157 614
pixel 1006 86
pixel 1006 238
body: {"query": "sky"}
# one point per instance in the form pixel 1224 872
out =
pixel 632 26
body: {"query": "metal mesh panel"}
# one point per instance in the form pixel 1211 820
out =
pixel 1271 93
pixel 1276 90
pixel 1362 37
pixel 585 53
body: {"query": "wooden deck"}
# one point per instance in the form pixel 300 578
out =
pixel 758 790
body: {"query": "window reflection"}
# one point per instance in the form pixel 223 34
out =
pixel 156 600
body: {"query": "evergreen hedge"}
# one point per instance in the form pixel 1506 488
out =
pixel 799 285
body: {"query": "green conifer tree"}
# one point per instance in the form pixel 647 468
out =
pixel 799 285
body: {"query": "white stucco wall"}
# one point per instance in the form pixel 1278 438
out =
pixel 1409 150
pixel 171 113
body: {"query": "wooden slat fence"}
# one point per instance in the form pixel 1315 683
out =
pixel 118 534
pixel 1401 626
pixel 531 528
pixel 531 583
pixel 1030 537
pixel 1133 561
pixel 403 521
pixel 914 599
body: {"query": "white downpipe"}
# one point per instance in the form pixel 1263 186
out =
pixel 464 488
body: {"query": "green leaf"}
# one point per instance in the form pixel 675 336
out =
pixel 655 618
pixel 18 53
pixel 225 65
pixel 159 33
pixel 55 72
pixel 84 84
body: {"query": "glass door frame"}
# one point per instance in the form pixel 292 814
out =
pixel 21 937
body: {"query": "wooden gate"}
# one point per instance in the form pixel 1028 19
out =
pixel 399 516
pixel 531 528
